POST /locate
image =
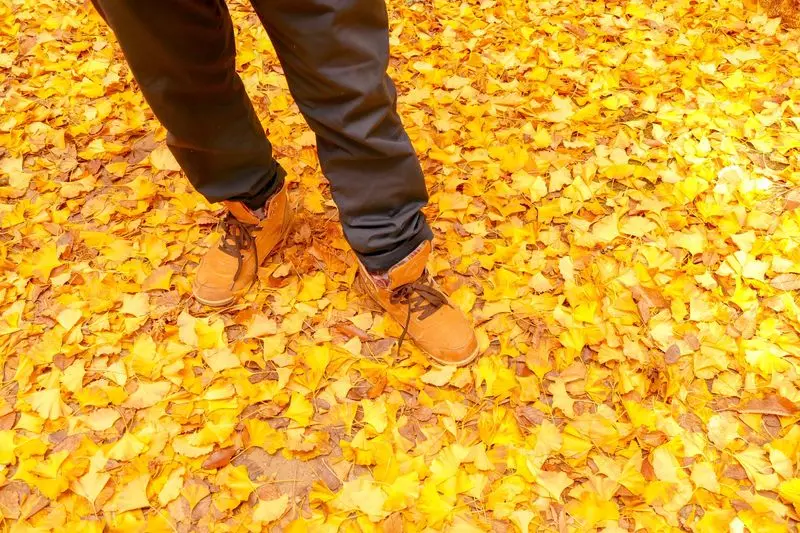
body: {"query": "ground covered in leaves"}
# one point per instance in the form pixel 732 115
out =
pixel 615 197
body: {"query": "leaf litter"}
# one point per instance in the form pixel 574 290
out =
pixel 615 198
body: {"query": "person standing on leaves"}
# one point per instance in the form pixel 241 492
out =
pixel 335 54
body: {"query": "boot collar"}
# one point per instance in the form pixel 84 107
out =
pixel 411 268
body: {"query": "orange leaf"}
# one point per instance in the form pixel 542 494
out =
pixel 769 405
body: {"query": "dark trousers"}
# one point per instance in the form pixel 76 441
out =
pixel 334 54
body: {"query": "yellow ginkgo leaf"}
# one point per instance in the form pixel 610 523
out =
pixel 159 278
pixel 148 394
pixel 48 404
pixel 262 326
pixel 7 455
pixel 554 483
pixel 44 261
pixel 375 414
pixel 101 419
pixel 172 488
pixel 591 509
pixel 361 496
pixel 438 376
pixel 221 359
pixel 561 398
pixel 236 480
pixel 703 476
pixel 562 110
pixel 606 229
pixel 144 358
pixel 300 410
pixel 665 465
pixel 403 491
pixel 162 159
pixel 183 446
pixel 68 318
pixel 522 519
pixel 135 304
pixel 362 321
pixel 90 485
pixel 316 358
pixel 72 379
pixel 313 288
pixel 637 226
pixel 789 490
pixel 129 496
pixel 126 448
pixel 270 510
pixel 542 139
pixel 194 492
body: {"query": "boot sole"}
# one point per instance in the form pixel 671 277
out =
pixel 214 303
pixel 235 296
pixel 461 363
pixel 359 286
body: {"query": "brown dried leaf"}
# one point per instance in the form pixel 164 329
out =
pixel 378 386
pixel 8 421
pixel 735 472
pixel 219 458
pixel 672 355
pixel 786 282
pixel 393 523
pixel 792 200
pixel 33 504
pixel 529 415
pixel 647 471
pixel 328 476
pixel 202 508
pixel 691 422
pixel 771 404
pixel 650 296
pixel 11 498
pixel 423 413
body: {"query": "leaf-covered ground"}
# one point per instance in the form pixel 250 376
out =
pixel 615 192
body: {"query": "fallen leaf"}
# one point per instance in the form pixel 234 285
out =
pixel 786 282
pixel 438 376
pixel 219 458
pixel 68 318
pixel 132 495
pixel 769 405
pixel 270 510
pixel 90 484
pixel 162 159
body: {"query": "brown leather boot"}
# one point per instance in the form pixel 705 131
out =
pixel 228 270
pixel 411 297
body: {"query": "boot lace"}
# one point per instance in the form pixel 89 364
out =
pixel 420 297
pixel 238 236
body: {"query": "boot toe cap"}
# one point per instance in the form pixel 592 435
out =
pixel 452 343
pixel 456 355
pixel 212 294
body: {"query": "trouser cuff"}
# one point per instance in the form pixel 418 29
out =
pixel 383 261
pixel 272 186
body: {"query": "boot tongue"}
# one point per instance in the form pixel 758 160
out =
pixel 411 268
pixel 242 213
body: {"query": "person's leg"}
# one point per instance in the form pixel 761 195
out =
pixel 335 54
pixel 182 54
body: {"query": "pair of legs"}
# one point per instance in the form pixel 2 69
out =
pixel 334 54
